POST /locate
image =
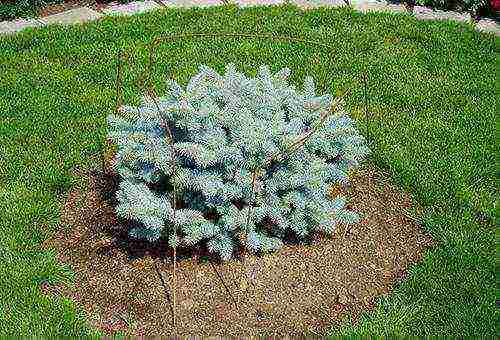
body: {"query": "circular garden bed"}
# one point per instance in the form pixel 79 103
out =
pixel 127 285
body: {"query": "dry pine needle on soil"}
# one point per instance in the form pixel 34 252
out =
pixel 299 290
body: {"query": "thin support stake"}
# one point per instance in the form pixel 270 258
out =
pixel 165 286
pixel 302 140
pixel 243 238
pixel 294 147
pixel 365 99
pixel 254 178
pixel 224 285
pixel 291 149
pixel 170 141
pixel 174 299
pixel 119 80
pixel 118 94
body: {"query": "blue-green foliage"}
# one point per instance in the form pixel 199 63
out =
pixel 226 128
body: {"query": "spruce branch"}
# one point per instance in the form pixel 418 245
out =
pixel 292 148
pixel 295 146
pixel 242 235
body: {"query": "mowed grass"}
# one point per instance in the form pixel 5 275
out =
pixel 431 122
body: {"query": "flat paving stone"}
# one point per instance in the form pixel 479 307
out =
pixel 192 3
pixel 425 13
pixel 307 4
pixel 488 26
pixel 422 10
pixel 72 16
pixel 365 6
pixel 247 3
pixel 11 27
pixel 131 8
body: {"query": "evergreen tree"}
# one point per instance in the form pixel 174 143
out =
pixel 251 159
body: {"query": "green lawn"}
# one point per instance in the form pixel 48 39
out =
pixel 431 122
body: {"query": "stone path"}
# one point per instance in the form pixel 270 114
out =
pixel 131 8
pixel 247 3
pixel 84 14
pixel 9 27
pixel 307 4
pixel 424 13
pixel 378 6
pixel 73 16
pixel 192 3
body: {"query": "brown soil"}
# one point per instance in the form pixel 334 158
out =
pixel 71 4
pixel 299 290
pixel 58 8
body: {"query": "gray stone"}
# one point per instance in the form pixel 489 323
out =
pixel 366 6
pixel 460 17
pixel 421 10
pixel 11 27
pixel 425 13
pixel 247 3
pixel 359 3
pixel 307 4
pixel 131 8
pixel 488 26
pixel 73 16
pixel 192 3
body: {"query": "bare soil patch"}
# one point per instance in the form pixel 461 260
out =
pixel 71 4
pixel 302 289
pixel 62 7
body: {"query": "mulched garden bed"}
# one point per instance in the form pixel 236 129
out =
pixel 300 290
pixel 70 4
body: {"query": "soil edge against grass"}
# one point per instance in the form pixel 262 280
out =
pixel 127 286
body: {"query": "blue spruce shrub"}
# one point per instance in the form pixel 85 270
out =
pixel 251 161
